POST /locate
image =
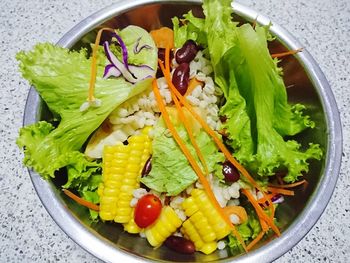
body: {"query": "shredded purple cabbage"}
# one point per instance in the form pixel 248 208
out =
pixel 124 52
pixel 277 199
pixel 134 74
pixel 111 71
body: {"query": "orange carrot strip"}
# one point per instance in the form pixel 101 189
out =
pixel 94 63
pixel 280 191
pixel 183 117
pixel 264 225
pixel 206 127
pixel 190 134
pixel 288 185
pixel 167 59
pixel 236 210
pixel 192 161
pixel 263 199
pixel 81 201
pixel 287 53
pixel 267 198
pixel 261 214
pixel 256 240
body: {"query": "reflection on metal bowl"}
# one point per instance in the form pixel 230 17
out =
pixel 306 84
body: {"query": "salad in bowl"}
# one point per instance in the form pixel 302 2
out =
pixel 182 135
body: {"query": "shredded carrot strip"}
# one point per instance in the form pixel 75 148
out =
pixel 288 185
pixel 94 63
pixel 167 59
pixel 81 201
pixel 263 199
pixel 261 214
pixel 192 161
pixel 183 117
pixel 283 54
pixel 206 127
pixel 268 198
pixel 264 225
pixel 256 240
pixel 236 210
pixel 280 191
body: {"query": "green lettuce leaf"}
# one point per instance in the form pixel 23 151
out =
pixel 93 197
pixel 193 29
pixel 62 78
pixel 171 172
pixel 258 114
pixel 258 142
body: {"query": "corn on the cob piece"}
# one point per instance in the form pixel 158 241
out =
pixel 205 225
pixel 131 226
pixel 165 226
pixel 122 166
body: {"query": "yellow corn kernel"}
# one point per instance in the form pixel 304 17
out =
pixel 131 226
pixel 191 233
pixel 209 248
pixel 122 166
pixel 190 206
pixel 163 227
pixel 205 226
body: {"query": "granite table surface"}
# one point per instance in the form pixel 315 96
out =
pixel 27 232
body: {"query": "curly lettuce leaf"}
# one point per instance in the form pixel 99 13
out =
pixel 171 172
pixel 193 29
pixel 61 78
pixel 258 114
pixel 93 197
pixel 260 144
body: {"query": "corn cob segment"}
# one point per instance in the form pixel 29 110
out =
pixel 204 226
pixel 131 226
pixel 165 226
pixel 122 166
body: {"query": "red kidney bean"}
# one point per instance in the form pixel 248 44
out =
pixel 181 78
pixel 145 171
pixel 187 52
pixel 147 167
pixel 230 172
pixel 180 244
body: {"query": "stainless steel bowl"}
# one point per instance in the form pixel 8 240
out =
pixel 307 85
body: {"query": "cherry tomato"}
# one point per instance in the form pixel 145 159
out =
pixel 147 210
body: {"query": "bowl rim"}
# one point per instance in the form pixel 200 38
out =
pixel 103 248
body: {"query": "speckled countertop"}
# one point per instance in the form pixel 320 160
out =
pixel 28 234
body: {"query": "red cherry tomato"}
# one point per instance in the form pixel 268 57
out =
pixel 147 210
